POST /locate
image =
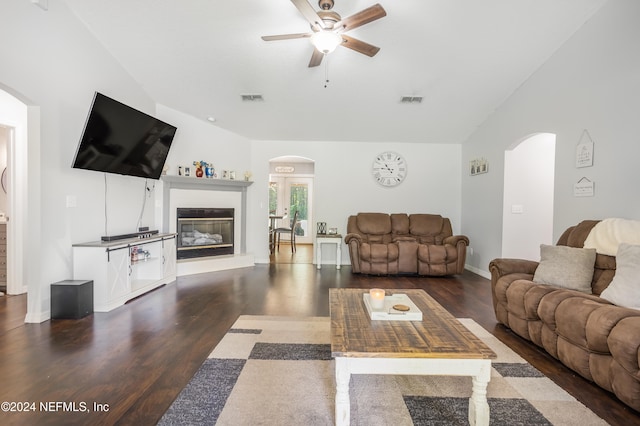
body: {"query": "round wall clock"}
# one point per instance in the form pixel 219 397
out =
pixel 389 169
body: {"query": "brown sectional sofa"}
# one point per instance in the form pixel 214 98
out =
pixel 424 244
pixel 598 340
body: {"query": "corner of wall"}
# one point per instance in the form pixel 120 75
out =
pixel 478 271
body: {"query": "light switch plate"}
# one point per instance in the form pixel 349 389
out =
pixel 72 201
pixel 517 208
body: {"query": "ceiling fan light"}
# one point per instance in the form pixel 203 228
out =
pixel 326 41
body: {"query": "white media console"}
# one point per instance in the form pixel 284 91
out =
pixel 124 269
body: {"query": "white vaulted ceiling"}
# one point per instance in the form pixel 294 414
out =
pixel 464 57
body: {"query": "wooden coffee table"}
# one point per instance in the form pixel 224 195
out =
pixel 437 345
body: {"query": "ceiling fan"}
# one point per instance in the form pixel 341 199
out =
pixel 328 29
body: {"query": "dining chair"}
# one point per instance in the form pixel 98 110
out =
pixel 290 231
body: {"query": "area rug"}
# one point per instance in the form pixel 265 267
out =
pixel 279 371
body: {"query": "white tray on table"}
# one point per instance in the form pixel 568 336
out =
pixel 390 314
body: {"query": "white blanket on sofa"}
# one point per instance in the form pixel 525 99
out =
pixel 607 235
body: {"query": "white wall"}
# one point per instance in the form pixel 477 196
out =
pixel 592 82
pixel 344 185
pixel 528 197
pixel 199 140
pixel 54 63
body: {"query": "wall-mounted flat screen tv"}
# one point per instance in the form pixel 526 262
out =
pixel 122 140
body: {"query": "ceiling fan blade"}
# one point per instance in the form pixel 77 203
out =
pixel 309 13
pixel 365 16
pixel 316 58
pixel 286 36
pixel 359 45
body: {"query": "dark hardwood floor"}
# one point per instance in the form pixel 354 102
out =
pixel 136 359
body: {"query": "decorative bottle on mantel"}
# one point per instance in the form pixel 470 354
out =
pixel 199 171
pixel 209 170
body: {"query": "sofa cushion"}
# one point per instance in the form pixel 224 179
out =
pixel 436 254
pixel 584 322
pixel 624 289
pixel 625 331
pixel 374 223
pixel 379 253
pixel 437 259
pixel 566 267
pixel 426 224
pixel 603 273
pixel 429 228
pixel 400 224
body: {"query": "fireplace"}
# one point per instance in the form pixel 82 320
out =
pixel 204 232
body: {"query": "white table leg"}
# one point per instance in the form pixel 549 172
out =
pixel 343 376
pixel 478 406
pixel 318 254
pixel 339 253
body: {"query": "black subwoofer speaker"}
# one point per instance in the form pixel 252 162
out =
pixel 71 299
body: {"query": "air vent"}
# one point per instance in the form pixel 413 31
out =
pixel 411 99
pixel 252 98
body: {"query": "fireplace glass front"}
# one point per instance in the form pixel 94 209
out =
pixel 204 232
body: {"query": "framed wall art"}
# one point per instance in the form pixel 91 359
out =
pixel 584 151
pixel 478 166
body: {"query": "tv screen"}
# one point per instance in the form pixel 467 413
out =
pixel 122 140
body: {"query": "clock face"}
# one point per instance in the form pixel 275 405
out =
pixel 389 169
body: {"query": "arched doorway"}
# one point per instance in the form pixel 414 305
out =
pixel 291 190
pixel 529 167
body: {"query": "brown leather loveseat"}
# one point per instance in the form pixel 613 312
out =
pixel 423 244
pixel 595 338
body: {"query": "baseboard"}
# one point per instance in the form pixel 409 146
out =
pixel 37 317
pixel 13 292
pixel 212 264
pixel 482 273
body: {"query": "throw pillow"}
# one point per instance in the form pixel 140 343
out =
pixel 624 289
pixel 567 267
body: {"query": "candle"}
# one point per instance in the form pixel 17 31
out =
pixel 377 298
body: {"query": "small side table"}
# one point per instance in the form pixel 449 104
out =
pixel 328 239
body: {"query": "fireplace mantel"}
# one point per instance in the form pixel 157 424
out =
pixel 184 182
pixel 205 184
